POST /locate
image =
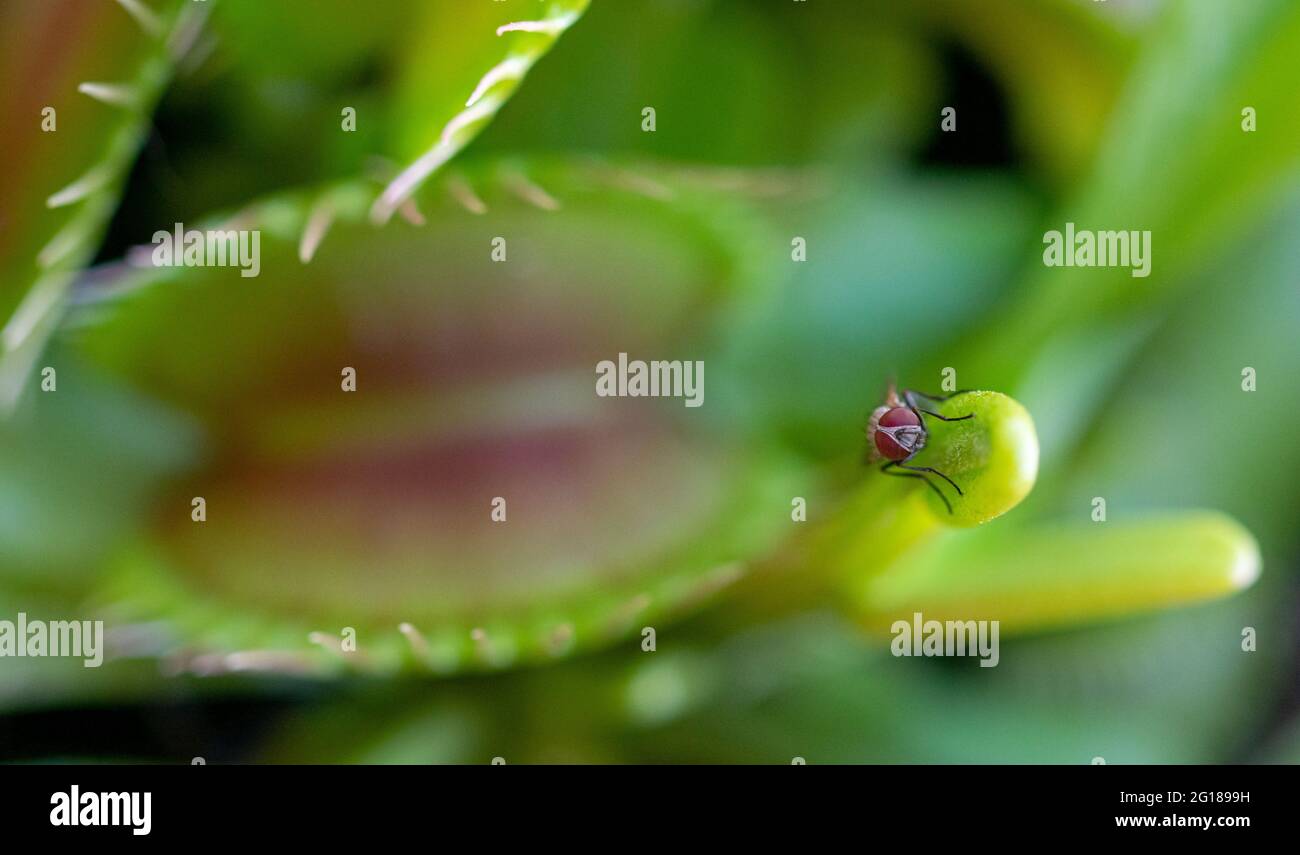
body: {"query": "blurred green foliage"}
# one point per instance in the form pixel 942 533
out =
pixel 773 121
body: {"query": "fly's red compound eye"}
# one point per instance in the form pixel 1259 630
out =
pixel 898 434
pixel 897 431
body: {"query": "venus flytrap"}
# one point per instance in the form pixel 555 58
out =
pixel 373 507
pixel 101 101
pixel 993 456
pixel 911 557
pixel 505 48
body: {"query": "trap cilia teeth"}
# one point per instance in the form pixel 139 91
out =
pixel 470 502
pixel 93 108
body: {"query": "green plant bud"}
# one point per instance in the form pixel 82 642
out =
pixel 993 457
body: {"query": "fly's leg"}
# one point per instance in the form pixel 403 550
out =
pixel 889 469
pixel 911 396
pixel 933 471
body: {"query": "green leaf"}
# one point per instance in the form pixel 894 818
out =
pixel 1055 575
pixel 1184 401
pixel 1203 64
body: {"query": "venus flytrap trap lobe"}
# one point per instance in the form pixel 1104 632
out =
pixel 914 516
pixel 158 38
pixel 993 455
pixel 287 492
pixel 1025 575
pixel 984 447
pixel 527 42
pixel 457 125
